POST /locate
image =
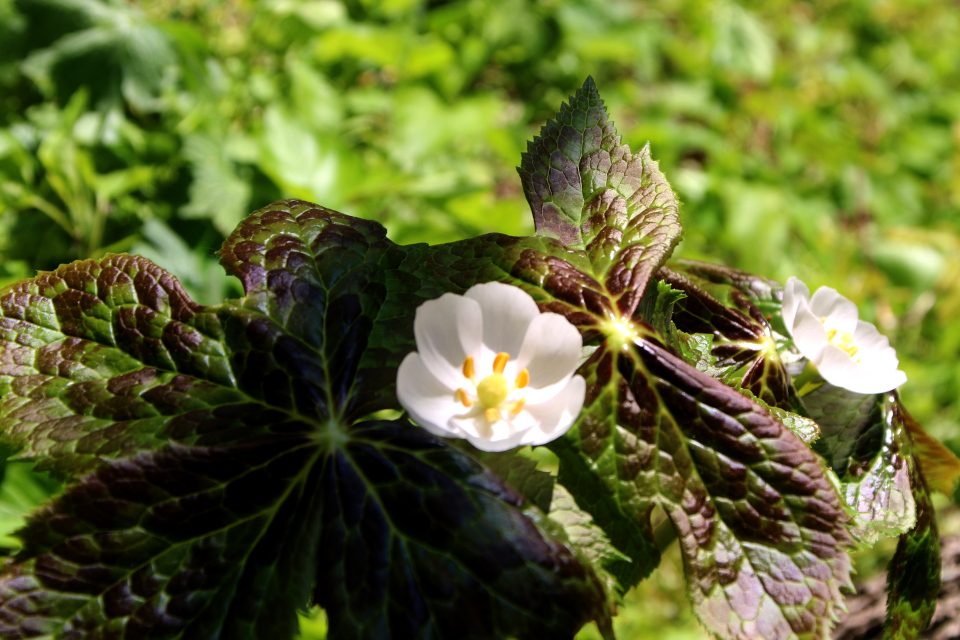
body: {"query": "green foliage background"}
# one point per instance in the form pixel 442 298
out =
pixel 809 139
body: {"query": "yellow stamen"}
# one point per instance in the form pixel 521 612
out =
pixel 500 362
pixel 492 414
pixel 842 339
pixel 461 397
pixel 523 379
pixel 518 406
pixel 468 371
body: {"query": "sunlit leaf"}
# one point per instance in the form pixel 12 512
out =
pixel 863 439
pixel 221 483
pixel 913 574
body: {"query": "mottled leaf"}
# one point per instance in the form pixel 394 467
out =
pixel 913 575
pixel 401 535
pixel 760 525
pixel 805 428
pixel 764 293
pixel 589 191
pixel 221 484
pixel 591 544
pixel 521 473
pixel 743 340
pixel 863 440
pixel 101 359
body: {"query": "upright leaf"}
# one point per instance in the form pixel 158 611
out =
pixel 760 525
pixel 913 575
pixel 590 192
pixel 864 441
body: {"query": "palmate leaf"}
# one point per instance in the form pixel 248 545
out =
pixel 761 525
pixel 222 479
pixel 743 341
pixel 313 348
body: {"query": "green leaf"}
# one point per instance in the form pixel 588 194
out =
pixel 805 428
pixel 591 193
pixel 743 340
pixel 760 524
pixel 100 360
pixel 913 575
pixel 863 439
pixel 401 535
pixel 222 482
pixel 521 473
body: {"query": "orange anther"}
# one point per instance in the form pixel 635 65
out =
pixel 468 370
pixel 518 405
pixel 461 397
pixel 492 414
pixel 500 362
pixel 523 379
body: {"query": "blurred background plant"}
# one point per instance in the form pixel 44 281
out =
pixel 810 139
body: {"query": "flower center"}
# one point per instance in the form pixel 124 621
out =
pixel 493 390
pixel 842 339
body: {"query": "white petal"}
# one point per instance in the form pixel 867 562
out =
pixel 507 312
pixel 866 337
pixel 504 444
pixel 429 401
pixel 838 368
pixel 550 352
pixel 839 312
pixel 498 436
pixel 795 292
pixel 448 330
pixel 555 417
pixel 809 334
pixel 874 348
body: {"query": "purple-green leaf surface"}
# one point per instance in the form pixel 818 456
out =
pixel 221 480
pixel 913 574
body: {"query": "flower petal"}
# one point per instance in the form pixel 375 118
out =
pixel 497 446
pixel 809 334
pixel 429 401
pixel 838 368
pixel 498 436
pixel 866 337
pixel 839 312
pixel 795 292
pixel 448 330
pixel 550 352
pixel 556 416
pixel 507 312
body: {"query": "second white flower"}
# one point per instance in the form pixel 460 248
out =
pixel 847 351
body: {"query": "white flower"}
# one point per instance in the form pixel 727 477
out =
pixel 848 352
pixel 492 369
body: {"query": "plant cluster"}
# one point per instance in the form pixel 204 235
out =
pixel 229 464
